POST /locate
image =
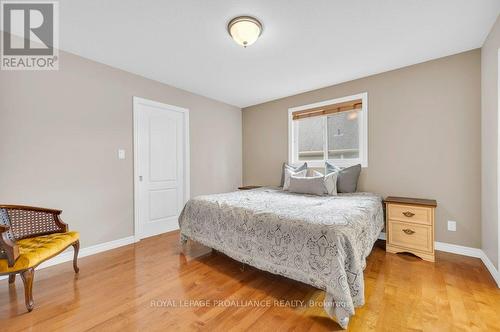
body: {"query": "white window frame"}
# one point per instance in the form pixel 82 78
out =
pixel 363 134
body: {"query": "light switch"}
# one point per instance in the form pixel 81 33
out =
pixel 121 154
pixel 452 226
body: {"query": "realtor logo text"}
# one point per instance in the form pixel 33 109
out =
pixel 30 35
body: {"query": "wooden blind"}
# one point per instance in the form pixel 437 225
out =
pixel 328 109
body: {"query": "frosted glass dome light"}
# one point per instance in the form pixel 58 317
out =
pixel 245 30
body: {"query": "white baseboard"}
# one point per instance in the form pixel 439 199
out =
pixel 98 248
pixel 88 251
pixel 67 255
pixel 489 265
pixel 460 250
pixel 465 251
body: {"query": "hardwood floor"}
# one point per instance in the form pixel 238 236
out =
pixel 123 289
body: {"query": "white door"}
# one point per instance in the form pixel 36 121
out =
pixel 161 166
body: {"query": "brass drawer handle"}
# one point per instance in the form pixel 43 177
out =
pixel 408 214
pixel 408 231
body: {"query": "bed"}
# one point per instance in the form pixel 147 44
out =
pixel 319 240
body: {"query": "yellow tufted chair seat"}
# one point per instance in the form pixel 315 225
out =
pixel 30 235
pixel 34 250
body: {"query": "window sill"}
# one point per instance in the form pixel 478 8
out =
pixel 338 162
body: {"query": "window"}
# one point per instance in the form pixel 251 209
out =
pixel 335 130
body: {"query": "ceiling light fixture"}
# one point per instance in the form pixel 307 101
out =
pixel 245 30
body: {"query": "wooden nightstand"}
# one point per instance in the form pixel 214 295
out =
pixel 410 226
pixel 249 187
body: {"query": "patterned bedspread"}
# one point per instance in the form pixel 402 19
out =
pixel 319 240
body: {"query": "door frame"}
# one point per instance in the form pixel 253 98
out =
pixel 142 101
pixel 498 168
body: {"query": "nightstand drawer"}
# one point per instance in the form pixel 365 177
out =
pixel 411 236
pixel 409 213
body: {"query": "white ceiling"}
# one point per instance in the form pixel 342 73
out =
pixel 306 44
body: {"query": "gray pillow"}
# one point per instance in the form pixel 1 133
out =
pixel 347 179
pixel 307 185
pixel 4 220
pixel 291 168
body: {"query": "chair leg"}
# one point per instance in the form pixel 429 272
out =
pixel 12 278
pixel 27 277
pixel 76 247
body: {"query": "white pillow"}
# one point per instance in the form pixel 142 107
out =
pixel 330 182
pixel 288 175
pixel 316 173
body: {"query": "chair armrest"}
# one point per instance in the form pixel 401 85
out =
pixel 8 246
pixel 4 228
pixel 29 221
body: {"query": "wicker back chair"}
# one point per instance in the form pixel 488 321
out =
pixel 29 236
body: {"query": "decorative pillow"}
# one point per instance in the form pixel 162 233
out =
pixel 307 185
pixel 293 169
pixel 347 179
pixel 330 181
pixel 289 173
pixel 4 220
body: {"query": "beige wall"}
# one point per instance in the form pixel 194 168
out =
pixel 424 138
pixel 489 140
pixel 60 131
